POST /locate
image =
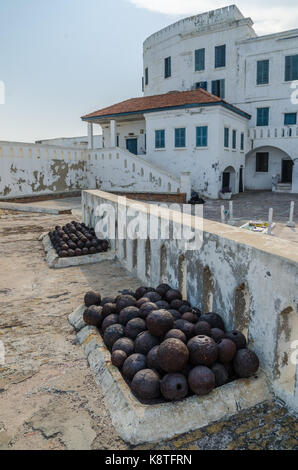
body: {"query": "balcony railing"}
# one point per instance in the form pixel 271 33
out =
pixel 286 132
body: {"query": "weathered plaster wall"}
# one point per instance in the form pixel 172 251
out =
pixel 265 269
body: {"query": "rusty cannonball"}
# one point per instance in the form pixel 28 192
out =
pixel 108 300
pixel 109 321
pixel 202 351
pixel 112 334
pixel 78 252
pixel 93 316
pixel 145 342
pixel 162 289
pixel 184 309
pixel 141 292
pixel 238 338
pixel 134 364
pixel 141 301
pixel 201 380
pixel 190 317
pixel 109 309
pixel 173 294
pixel 63 254
pixel 85 251
pixel 92 298
pixel 202 328
pixel 173 355
pixel 152 360
pixel 159 322
pixel 177 334
pixel 162 305
pixel 124 301
pixel 175 314
pixel 217 334
pixel 226 350
pixel 174 387
pixel 153 297
pixel 118 358
pixel 146 309
pixel 134 327
pixel 185 326
pixel 128 314
pixel 176 304
pixel 146 384
pixel 71 253
pixel 124 344
pixel 221 374
pixel 246 363
pixel 214 320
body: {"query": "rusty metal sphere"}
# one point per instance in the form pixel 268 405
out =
pixel 226 350
pixel 92 298
pixel 214 320
pixel 134 364
pixel 162 289
pixel 85 251
pixel 184 309
pixel 145 342
pixel 173 294
pixel 141 292
pixel 162 305
pixel 134 327
pixel 246 363
pixel 124 301
pixel 174 387
pixel 147 308
pixel 128 314
pixel 152 360
pixel 190 317
pixel 153 297
pixel 202 328
pixel 221 374
pixel 177 334
pixel 118 358
pixel 71 253
pixel 112 334
pixel 202 350
pixel 146 384
pixel 141 301
pixel 78 252
pixel 108 300
pixel 217 334
pixel 238 338
pixel 159 322
pixel 201 380
pixel 124 344
pixel 175 314
pixel 109 309
pixel 93 316
pixel 173 355
pixel 176 304
pixel 185 326
pixel 109 321
pixel 230 370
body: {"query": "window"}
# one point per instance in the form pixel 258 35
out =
pixel 220 56
pixel 242 141
pixel 203 85
pixel 234 139
pixel 262 72
pixel 160 139
pixel 143 84
pixel 262 160
pixel 218 88
pixel 180 139
pixel 168 66
pixel 262 116
pixel 117 141
pixel 227 137
pixel 202 136
pixel 146 76
pixel 199 60
pixel 290 119
pixel 291 68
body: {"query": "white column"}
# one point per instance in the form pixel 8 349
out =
pixel 295 177
pixel 113 130
pixel 90 136
pixel 186 185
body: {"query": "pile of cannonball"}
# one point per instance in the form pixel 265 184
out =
pixel 166 348
pixel 76 239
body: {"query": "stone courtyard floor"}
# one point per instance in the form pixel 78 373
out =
pixel 48 396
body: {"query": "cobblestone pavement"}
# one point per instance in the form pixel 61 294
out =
pixel 48 396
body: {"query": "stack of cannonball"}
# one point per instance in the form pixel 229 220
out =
pixel 76 239
pixel 164 347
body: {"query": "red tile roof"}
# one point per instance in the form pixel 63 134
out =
pixel 167 100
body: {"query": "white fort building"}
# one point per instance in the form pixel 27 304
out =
pixel 241 133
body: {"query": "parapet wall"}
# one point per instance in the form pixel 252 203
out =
pixel 250 279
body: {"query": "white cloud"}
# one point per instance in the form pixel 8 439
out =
pixel 269 17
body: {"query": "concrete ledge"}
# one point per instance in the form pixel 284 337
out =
pixel 26 208
pixel 54 262
pixel 137 423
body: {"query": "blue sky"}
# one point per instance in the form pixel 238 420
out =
pixel 60 59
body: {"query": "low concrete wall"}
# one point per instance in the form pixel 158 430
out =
pixel 250 279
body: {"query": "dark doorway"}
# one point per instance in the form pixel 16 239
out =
pixel 241 181
pixel 225 181
pixel 287 171
pixel 132 146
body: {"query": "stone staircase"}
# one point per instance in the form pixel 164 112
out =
pixel 284 188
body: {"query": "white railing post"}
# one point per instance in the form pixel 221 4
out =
pixel 186 184
pixel 291 222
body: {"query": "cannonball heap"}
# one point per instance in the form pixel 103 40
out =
pixel 76 239
pixel 164 347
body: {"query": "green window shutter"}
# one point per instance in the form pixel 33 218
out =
pixel 262 72
pixel 160 139
pixel 291 68
pixel 202 136
pixel 262 116
pixel 168 67
pixel 227 137
pixel 220 56
pixel 180 137
pixel 234 139
pixel 290 119
pixel 199 60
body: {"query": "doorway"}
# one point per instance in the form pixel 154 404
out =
pixel 287 171
pixel 226 181
pixel 132 146
pixel 241 181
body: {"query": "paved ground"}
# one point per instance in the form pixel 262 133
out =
pixel 49 399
